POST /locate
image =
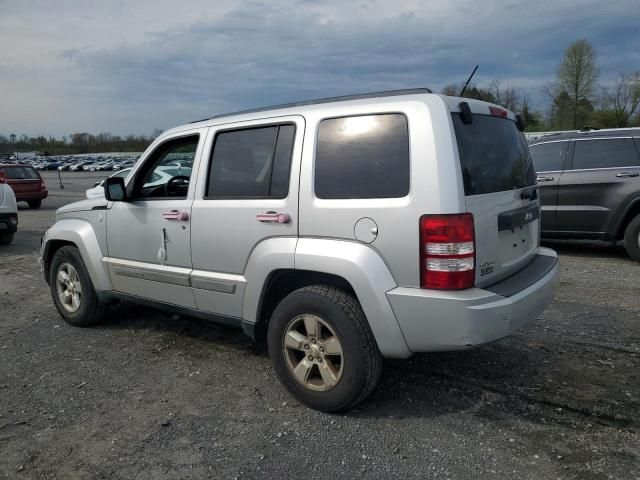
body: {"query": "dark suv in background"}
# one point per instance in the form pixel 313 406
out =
pixel 590 185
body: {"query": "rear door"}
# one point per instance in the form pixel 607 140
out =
pixel 548 159
pixel 499 182
pixel 249 194
pixel 602 173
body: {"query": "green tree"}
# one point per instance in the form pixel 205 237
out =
pixel 577 77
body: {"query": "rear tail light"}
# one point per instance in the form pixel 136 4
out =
pixel 447 251
pixel 13 219
pixel 3 177
pixel 42 185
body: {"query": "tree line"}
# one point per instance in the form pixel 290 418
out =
pixel 576 100
pixel 76 143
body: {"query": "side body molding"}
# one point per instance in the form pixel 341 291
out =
pixel 370 278
pixel 80 233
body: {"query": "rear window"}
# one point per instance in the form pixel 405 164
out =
pixel 605 153
pixel 494 155
pixel 21 173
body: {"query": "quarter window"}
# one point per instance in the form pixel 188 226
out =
pixel 605 153
pixel 549 157
pixel 251 163
pixel 362 157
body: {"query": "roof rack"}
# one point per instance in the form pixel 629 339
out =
pixel 343 98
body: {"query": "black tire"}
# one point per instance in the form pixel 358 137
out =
pixel 35 203
pixel 91 310
pixel 362 361
pixel 6 238
pixel 632 239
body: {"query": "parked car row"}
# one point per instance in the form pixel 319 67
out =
pixel 77 163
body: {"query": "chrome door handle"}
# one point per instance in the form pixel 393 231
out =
pixel 627 175
pixel 545 179
pixel 176 215
pixel 273 217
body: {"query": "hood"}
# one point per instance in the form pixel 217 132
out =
pixel 82 206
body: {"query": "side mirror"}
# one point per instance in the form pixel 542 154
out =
pixel 114 190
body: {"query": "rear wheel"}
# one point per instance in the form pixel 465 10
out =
pixel 632 239
pixel 72 290
pixel 322 348
pixel 34 203
pixel 6 238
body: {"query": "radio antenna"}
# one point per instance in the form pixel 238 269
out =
pixel 468 80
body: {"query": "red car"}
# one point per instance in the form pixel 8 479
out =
pixel 26 183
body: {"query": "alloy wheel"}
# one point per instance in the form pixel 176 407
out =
pixel 313 352
pixel 69 287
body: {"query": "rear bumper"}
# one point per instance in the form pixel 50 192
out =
pixel 26 196
pixel 8 222
pixel 433 320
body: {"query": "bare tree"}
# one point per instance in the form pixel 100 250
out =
pixel 578 74
pixel 624 98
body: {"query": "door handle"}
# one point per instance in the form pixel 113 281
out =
pixel 273 217
pixel 628 174
pixel 176 215
pixel 545 179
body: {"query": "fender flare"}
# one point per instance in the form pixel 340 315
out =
pixel 81 234
pixel 620 218
pixel 368 274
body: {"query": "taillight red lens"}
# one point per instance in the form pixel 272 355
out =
pixel 3 177
pixel 447 251
pixel 42 185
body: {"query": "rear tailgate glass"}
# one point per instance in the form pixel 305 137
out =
pixel 21 173
pixel 496 171
pixel 494 155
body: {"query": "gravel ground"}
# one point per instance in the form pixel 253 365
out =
pixel 150 395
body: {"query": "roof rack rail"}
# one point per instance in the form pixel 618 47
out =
pixel 588 129
pixel 343 98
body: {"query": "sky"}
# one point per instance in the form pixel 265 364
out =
pixel 138 65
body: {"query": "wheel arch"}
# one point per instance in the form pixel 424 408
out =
pixel 350 266
pixel 632 211
pixel 79 234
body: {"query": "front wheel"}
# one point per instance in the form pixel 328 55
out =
pixel 322 348
pixel 632 239
pixel 72 290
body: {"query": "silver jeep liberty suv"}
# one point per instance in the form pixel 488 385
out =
pixel 337 231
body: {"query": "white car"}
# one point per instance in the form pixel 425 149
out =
pixel 159 177
pixel 8 212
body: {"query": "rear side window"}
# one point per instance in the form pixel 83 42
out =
pixel 549 157
pixel 251 163
pixel 362 157
pixel 605 153
pixel 494 155
pixel 21 173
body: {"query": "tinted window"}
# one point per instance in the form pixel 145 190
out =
pixel 617 152
pixel 21 173
pixel 548 157
pixel 251 163
pixel 494 155
pixel 167 171
pixel 363 157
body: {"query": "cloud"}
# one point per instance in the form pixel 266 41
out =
pixel 139 70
